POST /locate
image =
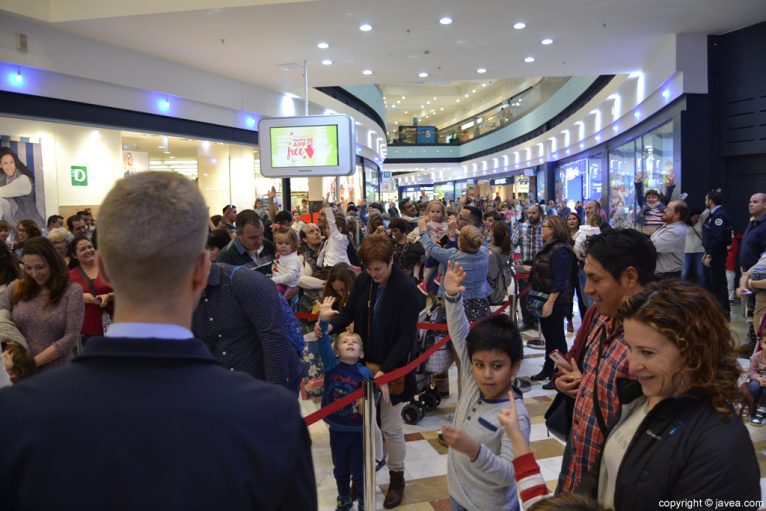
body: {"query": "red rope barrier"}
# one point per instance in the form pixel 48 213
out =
pixel 389 377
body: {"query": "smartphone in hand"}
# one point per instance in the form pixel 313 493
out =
pixel 560 361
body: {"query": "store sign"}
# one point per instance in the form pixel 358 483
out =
pixel 79 175
pixel 501 181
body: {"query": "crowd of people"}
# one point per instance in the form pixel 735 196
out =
pixel 192 322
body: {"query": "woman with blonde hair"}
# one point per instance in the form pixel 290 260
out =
pixel 60 239
pixel 473 256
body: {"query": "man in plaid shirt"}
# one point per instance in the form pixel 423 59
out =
pixel 619 263
pixel 528 236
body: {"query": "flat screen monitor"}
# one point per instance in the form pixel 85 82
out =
pixel 315 145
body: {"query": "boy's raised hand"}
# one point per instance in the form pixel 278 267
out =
pixel 510 421
pixel 454 278
pixel 326 312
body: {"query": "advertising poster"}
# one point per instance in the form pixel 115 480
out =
pixel 21 181
pixel 135 162
pixel 304 146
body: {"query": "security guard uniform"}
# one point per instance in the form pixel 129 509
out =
pixel 716 236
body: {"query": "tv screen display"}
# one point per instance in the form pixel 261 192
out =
pixel 314 145
pixel 304 146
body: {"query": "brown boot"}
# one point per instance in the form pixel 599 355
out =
pixel 395 489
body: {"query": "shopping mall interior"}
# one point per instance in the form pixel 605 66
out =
pixel 562 100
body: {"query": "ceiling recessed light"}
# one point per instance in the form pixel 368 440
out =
pixel 428 102
pixel 423 74
pixel 547 41
pixel 422 106
pixel 481 70
pixel 520 25
pixel 366 27
pixel 483 84
pixel 445 20
pixel 529 60
pixel 473 91
pixel 368 72
pixel 466 95
pixel 442 109
pixel 323 46
pixel 327 62
pixel 457 100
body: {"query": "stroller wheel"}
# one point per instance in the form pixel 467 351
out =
pixel 412 413
pixel 430 399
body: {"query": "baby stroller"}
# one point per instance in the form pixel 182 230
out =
pixel 427 397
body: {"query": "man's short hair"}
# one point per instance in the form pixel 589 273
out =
pixel 53 219
pixel 71 220
pixel 618 249
pixel 716 196
pixel 150 264
pixel 474 214
pixel 84 212
pixel 227 208
pixel 403 203
pixel 247 217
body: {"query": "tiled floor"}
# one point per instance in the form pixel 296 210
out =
pixel 426 461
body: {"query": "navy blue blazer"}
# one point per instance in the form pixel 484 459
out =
pixel 152 425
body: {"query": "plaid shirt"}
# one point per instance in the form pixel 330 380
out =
pixel 586 438
pixel 530 238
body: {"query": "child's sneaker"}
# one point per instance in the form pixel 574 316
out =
pixel 757 420
pixel 423 287
pixel 438 281
pixel 344 504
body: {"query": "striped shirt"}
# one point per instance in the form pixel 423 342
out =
pixel 529 481
pixel 586 437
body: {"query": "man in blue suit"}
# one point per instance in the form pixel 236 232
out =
pixel 145 418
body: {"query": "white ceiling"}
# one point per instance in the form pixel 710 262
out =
pixel 250 40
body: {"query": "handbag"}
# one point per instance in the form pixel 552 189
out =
pixel 535 302
pixel 558 416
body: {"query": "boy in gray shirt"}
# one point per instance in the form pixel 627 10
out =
pixel 480 461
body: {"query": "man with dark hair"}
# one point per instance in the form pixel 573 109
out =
pixel 670 240
pixel 147 402
pixel 529 237
pixel 618 263
pixel 409 213
pixel 716 237
pixel 54 221
pixel 249 246
pixel 76 226
pixel 469 215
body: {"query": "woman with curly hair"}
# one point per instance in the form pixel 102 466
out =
pixel 679 434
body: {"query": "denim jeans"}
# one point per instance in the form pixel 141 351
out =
pixel 693 269
pixel 759 396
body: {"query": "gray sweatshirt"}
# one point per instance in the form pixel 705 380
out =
pixel 488 482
